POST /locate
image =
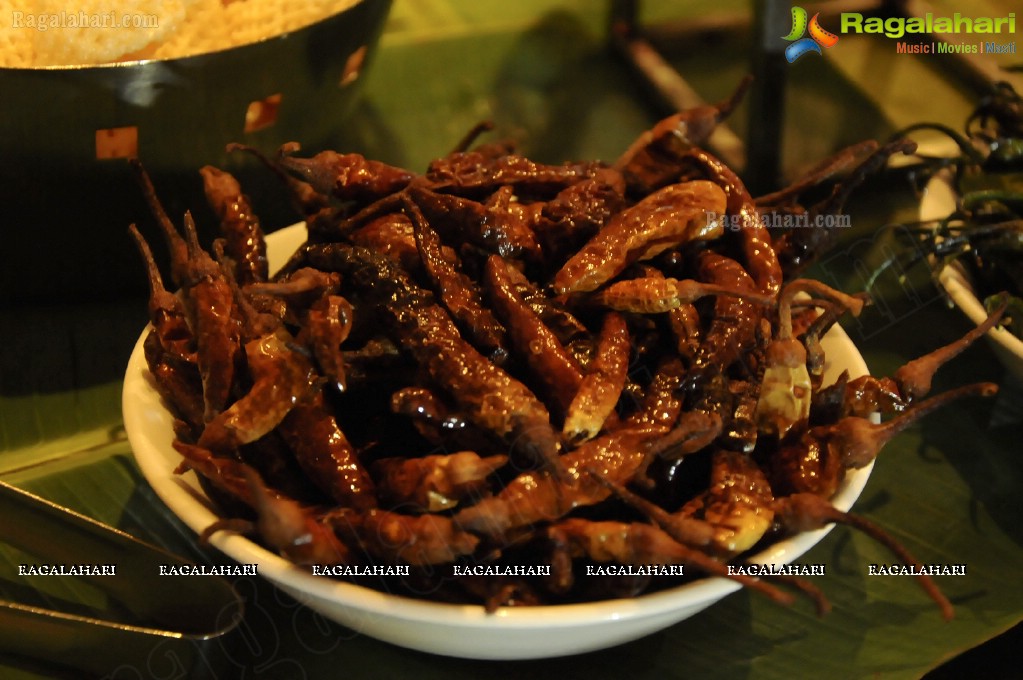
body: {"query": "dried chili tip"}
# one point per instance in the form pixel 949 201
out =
pixel 914 379
pixel 858 440
pixel 349 176
pixel 803 512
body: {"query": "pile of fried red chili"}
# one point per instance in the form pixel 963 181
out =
pixel 499 374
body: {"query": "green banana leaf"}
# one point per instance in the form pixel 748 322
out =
pixel 948 489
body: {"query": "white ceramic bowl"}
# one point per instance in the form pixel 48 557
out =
pixel 938 202
pixel 453 630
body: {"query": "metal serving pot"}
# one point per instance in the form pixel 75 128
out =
pixel 67 194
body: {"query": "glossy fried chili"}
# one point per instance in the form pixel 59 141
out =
pixel 755 241
pixel 328 324
pixel 495 226
pixel 490 397
pixel 472 173
pixel 577 213
pixel 326 455
pixel 348 176
pixel 281 379
pixel 600 389
pixel 394 236
pixel 178 383
pixel 167 312
pixel 210 304
pixel 732 330
pixel 240 226
pixel 665 219
pixel 553 367
pixel 500 361
pixel 457 292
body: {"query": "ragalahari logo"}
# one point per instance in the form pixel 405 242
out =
pixel 818 36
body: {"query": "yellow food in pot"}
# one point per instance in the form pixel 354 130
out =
pixel 58 33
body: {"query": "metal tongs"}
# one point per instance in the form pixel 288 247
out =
pixel 164 622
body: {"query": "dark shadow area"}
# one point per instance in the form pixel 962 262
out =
pixel 59 348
